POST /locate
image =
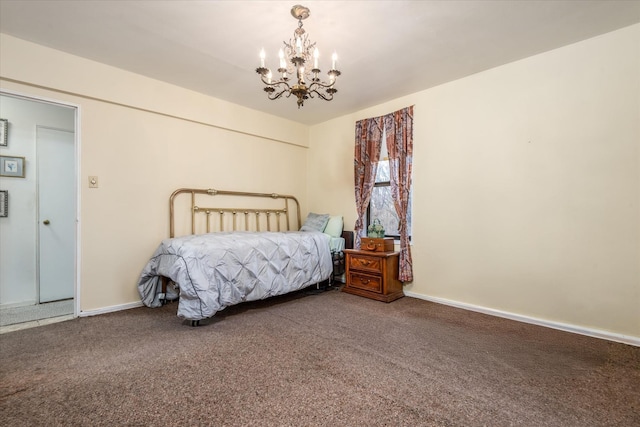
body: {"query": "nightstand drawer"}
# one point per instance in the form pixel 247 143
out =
pixel 365 263
pixel 368 283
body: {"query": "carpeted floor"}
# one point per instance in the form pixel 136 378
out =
pixel 328 359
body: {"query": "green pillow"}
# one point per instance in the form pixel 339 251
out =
pixel 334 226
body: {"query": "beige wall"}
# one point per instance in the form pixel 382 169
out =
pixel 526 179
pixel 144 139
pixel 526 185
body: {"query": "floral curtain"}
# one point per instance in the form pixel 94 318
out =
pixel 399 131
pixel 367 155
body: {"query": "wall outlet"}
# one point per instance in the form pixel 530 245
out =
pixel 93 182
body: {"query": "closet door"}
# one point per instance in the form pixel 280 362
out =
pixel 56 213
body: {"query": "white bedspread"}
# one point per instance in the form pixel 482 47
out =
pixel 217 270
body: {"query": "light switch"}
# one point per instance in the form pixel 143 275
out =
pixel 93 182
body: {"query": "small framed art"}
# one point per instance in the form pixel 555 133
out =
pixel 4 203
pixel 4 132
pixel 12 166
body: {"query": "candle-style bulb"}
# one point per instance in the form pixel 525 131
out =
pixel 334 58
pixel 316 54
pixel 298 45
pixel 262 56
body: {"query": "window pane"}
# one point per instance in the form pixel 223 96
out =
pixel 382 208
pixel 382 173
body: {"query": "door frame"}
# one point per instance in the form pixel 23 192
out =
pixel 77 249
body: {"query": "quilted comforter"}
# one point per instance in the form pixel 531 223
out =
pixel 217 270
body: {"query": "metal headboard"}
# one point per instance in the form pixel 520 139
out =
pixel 243 218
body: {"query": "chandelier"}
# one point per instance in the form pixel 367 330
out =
pixel 293 77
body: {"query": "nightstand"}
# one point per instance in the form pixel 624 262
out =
pixel 373 275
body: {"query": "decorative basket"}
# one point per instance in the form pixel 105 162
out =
pixel 375 229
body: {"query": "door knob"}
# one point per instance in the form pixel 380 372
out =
pixel 46 222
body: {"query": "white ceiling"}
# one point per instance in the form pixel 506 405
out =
pixel 386 49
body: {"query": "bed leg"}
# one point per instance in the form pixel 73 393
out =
pixel 195 323
pixel 163 295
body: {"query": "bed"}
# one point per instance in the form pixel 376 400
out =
pixel 244 247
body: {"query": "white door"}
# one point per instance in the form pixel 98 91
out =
pixel 56 213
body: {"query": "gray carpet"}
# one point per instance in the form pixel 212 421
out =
pixel 328 359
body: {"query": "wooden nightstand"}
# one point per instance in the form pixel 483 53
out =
pixel 373 275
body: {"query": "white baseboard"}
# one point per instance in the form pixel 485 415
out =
pixel 110 309
pixel 595 333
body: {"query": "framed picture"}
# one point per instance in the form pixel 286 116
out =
pixel 12 166
pixel 4 203
pixel 4 132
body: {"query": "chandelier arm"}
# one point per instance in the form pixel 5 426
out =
pixel 328 97
pixel 275 83
pixel 273 96
pixel 322 85
pixel 282 86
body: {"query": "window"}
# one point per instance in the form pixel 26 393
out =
pixel 381 205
